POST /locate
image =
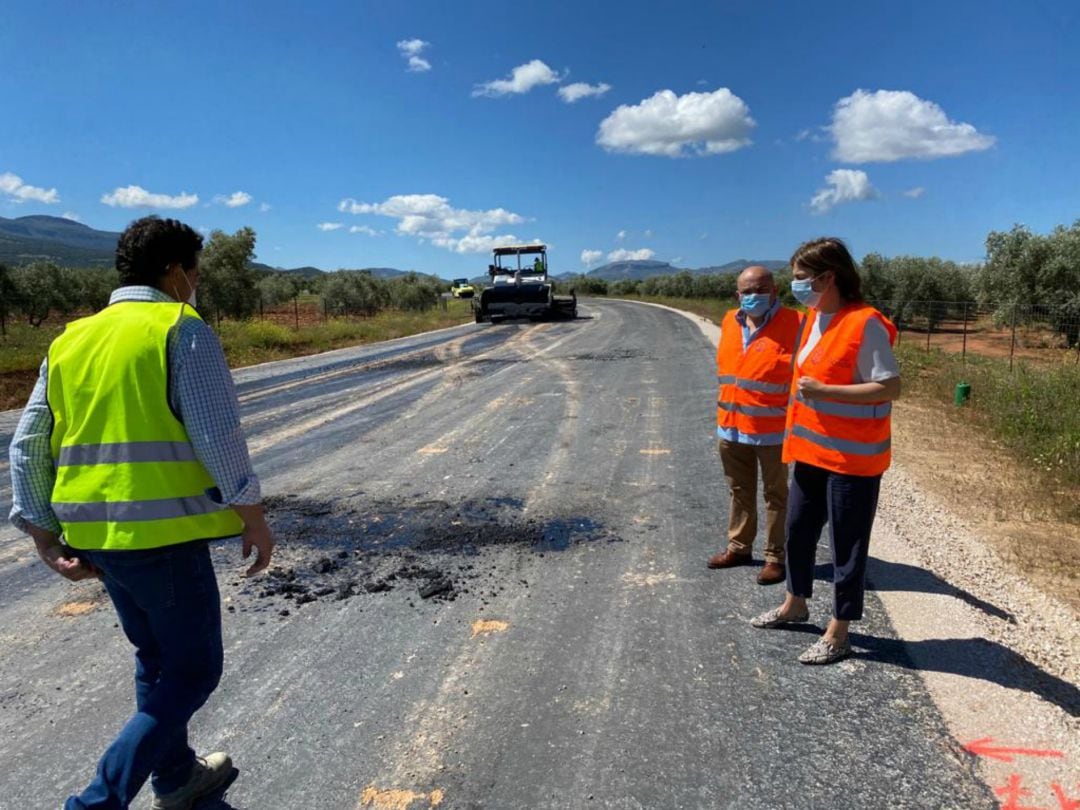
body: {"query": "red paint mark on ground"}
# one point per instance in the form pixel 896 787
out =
pixel 1064 802
pixel 1011 793
pixel 985 748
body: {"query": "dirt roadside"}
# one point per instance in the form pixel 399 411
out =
pixel 990 625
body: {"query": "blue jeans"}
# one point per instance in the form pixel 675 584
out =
pixel 168 603
pixel 848 503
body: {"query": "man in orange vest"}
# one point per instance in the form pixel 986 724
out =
pixel 753 361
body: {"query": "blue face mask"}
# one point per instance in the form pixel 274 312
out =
pixel 756 304
pixel 803 290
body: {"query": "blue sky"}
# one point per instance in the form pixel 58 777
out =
pixel 418 134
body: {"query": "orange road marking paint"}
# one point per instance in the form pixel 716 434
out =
pixel 485 627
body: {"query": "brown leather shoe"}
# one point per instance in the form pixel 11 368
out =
pixel 725 559
pixel 771 573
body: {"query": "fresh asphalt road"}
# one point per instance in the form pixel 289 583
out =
pixel 616 671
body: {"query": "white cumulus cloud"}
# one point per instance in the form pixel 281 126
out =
pixel 522 79
pixel 889 125
pixel 410 49
pixel 139 197
pixel 678 126
pixel 845 185
pixel 329 226
pixel 234 200
pixel 591 257
pixel 264 207
pixel 432 218
pixel 620 236
pixel 915 193
pixel 366 229
pixel 579 90
pixel 18 191
pixel 72 216
pixel 623 255
pixel 480 243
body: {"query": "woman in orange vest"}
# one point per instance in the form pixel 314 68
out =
pixel 838 434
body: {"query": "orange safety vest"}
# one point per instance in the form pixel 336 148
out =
pixel 755 382
pixel 852 438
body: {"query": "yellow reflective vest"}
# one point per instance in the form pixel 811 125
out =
pixel 126 473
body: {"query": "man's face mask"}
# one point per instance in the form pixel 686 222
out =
pixel 191 287
pixel 755 304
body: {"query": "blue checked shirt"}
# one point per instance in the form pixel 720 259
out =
pixel 200 391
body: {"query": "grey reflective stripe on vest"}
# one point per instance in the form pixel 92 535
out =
pixel 841 445
pixel 751 410
pixel 127 511
pixel 125 453
pixel 753 385
pixel 849 409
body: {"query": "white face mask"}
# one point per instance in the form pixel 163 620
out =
pixel 191 298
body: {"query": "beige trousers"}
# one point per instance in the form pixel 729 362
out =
pixel 741 463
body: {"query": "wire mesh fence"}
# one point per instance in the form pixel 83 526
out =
pixel 1036 333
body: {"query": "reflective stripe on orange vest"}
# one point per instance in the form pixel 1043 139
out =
pixel 852 438
pixel 755 381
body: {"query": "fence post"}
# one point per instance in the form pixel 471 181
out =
pixel 963 349
pixel 929 323
pixel 1012 344
pixel 296 310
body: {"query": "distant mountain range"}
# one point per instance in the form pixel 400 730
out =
pixel 64 241
pixel 27 239
pixel 640 270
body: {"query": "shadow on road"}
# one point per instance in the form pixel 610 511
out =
pixel 890 576
pixel 973 658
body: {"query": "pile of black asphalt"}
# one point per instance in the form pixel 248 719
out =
pixel 431 550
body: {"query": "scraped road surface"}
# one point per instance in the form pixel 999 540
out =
pixel 555 491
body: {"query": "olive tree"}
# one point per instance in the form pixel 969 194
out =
pixel 9 294
pixel 354 292
pixel 229 283
pixel 42 288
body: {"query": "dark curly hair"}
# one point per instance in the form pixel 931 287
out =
pixel 150 245
pixel 830 254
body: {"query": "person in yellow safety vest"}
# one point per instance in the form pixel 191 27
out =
pixel 838 435
pixel 127 460
pixel 753 363
pixel 538 265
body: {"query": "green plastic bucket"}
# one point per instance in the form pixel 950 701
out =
pixel 962 393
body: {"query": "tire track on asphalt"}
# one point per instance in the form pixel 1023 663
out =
pixel 442 353
pixel 436 721
pixel 324 417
